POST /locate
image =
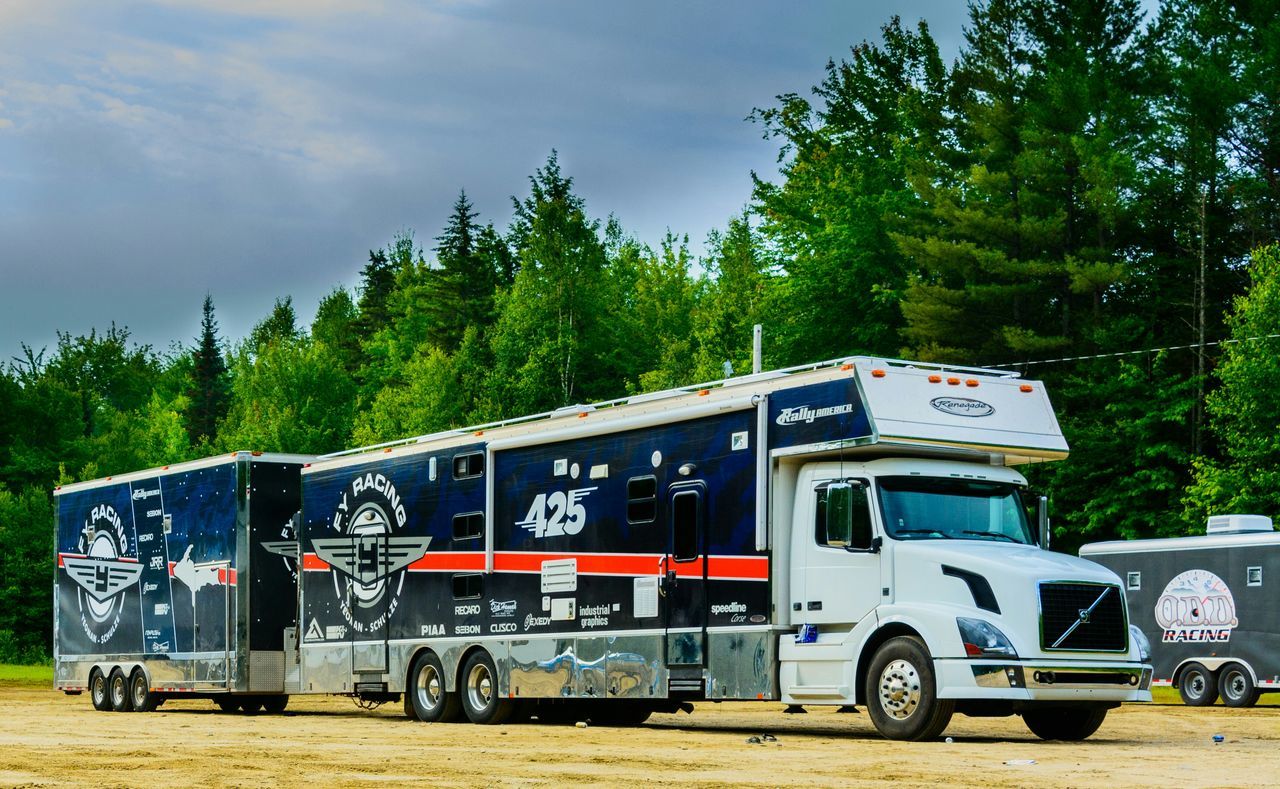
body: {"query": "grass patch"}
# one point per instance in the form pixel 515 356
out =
pixel 34 675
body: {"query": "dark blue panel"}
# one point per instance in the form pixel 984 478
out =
pixel 830 411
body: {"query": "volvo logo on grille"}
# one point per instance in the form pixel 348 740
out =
pixel 1084 616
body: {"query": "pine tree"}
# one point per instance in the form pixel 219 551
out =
pixel 377 280
pixel 462 288
pixel 208 395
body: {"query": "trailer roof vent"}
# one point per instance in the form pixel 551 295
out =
pixel 1238 524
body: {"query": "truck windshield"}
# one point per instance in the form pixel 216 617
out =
pixel 923 508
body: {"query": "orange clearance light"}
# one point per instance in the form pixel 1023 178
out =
pixel 306 465
pixel 703 392
pixel 846 367
pixel 1026 388
pixel 256 454
pixel 479 432
pixel 971 382
pixel 582 415
pixel 877 373
pixel 953 381
pixel 166 468
pixel 935 379
pixel 388 449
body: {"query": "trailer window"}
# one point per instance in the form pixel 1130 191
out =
pixel 467 586
pixel 686 525
pixel 924 508
pixel 842 515
pixel 468 525
pixel 468 465
pixel 1253 576
pixel 642 499
pixel 1134 581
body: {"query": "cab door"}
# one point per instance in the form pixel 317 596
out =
pixel 684 582
pixel 842 561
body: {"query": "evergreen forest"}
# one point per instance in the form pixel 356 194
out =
pixel 1084 195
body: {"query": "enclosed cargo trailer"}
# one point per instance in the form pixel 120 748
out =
pixel 178 581
pixel 1209 605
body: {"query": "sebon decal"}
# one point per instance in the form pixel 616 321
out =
pixel 102 572
pixel 1196 606
pixel 369 562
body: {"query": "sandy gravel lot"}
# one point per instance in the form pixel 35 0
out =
pixel 47 739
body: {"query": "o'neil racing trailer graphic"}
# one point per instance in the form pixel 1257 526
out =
pixel 850 532
pixel 1206 605
pixel 178 581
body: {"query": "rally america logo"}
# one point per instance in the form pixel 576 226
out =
pixel 101 572
pixel 369 560
pixel 806 414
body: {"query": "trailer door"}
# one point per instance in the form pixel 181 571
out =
pixel 684 583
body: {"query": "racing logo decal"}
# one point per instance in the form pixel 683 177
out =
pixel 102 572
pixel 369 562
pixel 287 546
pixel 1196 606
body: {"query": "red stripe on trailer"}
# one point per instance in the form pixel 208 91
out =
pixel 62 556
pixel 719 568
pixel 446 561
pixel 312 562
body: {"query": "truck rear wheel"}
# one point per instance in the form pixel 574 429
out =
pixel 901 692
pixel 118 689
pixel 1197 686
pixel 1073 724
pixel 480 699
pixel 140 696
pixel 1236 687
pixel 98 691
pixel 275 704
pixel 227 704
pixel 426 697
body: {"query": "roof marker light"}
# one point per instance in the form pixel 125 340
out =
pixel 971 382
pixel 877 373
pixel 582 415
pixel 703 392
pixel 953 381
pixel 388 449
pixel 846 367
pixel 1026 388
pixel 935 379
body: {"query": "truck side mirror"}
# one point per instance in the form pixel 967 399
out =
pixel 1042 522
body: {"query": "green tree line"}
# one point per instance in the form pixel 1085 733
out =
pixel 1079 181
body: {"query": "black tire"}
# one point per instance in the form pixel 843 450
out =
pixel 141 699
pixel 251 706
pixel 118 690
pixel 1197 686
pixel 227 704
pixel 426 697
pixel 479 691
pixel 274 705
pixel 619 713
pixel 99 694
pixel 1236 687
pixel 1072 724
pixel 901 693
pixel 558 712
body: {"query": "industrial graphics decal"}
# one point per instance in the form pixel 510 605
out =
pixel 1196 606
pixel 102 572
pixel 368 562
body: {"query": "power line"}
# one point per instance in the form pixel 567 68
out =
pixel 1135 353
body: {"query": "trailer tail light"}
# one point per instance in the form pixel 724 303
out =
pixel 877 373
pixel 971 382
pixel 953 381
pixel 1026 388
pixel 935 379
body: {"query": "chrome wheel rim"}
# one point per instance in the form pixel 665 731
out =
pixel 480 687
pixel 99 690
pixel 1196 685
pixel 429 689
pixel 1235 684
pixel 118 690
pixel 139 692
pixel 900 692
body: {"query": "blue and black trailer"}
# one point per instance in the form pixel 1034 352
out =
pixel 178 582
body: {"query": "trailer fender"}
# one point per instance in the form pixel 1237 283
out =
pixel 1214 664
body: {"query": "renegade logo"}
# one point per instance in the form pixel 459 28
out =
pixel 101 572
pixel 368 560
pixel 962 406
pixel 1196 606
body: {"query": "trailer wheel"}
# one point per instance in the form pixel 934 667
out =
pixel 426 698
pixel 251 706
pixel 118 686
pixel 480 699
pixel 1064 724
pixel 902 696
pixel 99 694
pixel 227 704
pixel 140 696
pixel 1197 686
pixel 1236 686
pixel 275 705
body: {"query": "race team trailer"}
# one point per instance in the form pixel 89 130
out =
pixel 1213 624
pixel 851 532
pixel 178 581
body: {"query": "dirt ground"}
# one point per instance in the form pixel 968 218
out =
pixel 47 739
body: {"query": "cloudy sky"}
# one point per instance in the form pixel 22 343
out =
pixel 151 152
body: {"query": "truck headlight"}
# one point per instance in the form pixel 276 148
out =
pixel 983 639
pixel 1141 641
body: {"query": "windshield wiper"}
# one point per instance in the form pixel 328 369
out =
pixel 994 534
pixel 941 534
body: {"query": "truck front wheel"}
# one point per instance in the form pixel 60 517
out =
pixel 902 696
pixel 1197 686
pixel 1072 724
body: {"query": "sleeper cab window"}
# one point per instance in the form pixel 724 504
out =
pixel 642 499
pixel 467 586
pixel 468 465
pixel 468 525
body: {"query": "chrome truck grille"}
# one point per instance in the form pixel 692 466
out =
pixel 1082 617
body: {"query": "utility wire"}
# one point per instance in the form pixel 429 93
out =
pixel 1134 353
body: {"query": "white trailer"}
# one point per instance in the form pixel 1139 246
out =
pixel 851 532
